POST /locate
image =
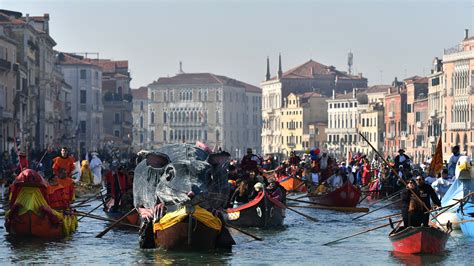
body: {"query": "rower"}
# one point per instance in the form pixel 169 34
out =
pixel 427 193
pixel 411 211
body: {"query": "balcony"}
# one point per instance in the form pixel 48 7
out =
pixel 432 139
pixel 5 65
pixel 291 145
pixel 419 124
pixel 457 126
pixel 390 135
pixel 391 114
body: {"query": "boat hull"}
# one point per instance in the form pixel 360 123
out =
pixel 33 225
pixel 466 217
pixel 416 240
pixel 176 236
pixel 292 184
pixel 345 196
pixel 262 212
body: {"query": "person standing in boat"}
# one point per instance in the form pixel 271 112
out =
pixel 401 159
pixel 96 167
pixel 453 160
pixel 442 184
pixel 86 173
pixel 64 161
pixel 427 194
pixel 250 162
pixel 411 212
pixel 116 184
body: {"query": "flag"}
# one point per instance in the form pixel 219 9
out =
pixel 349 157
pixel 436 164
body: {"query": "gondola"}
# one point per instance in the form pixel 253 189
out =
pixel 419 240
pixel 119 212
pixel 263 212
pixel 84 191
pixel 31 214
pixel 345 196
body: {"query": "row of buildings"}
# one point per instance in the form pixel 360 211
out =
pixel 50 98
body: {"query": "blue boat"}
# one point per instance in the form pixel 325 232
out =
pixel 466 218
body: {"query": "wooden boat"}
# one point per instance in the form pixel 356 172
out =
pixel 345 196
pixel 262 211
pixel 84 191
pixel 191 227
pixel 30 213
pixel 118 213
pixel 292 184
pixel 414 240
pixel 466 219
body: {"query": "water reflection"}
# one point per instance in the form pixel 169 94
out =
pixel 419 259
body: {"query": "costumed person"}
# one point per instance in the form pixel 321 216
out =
pixel 86 173
pixel 116 184
pixel 442 184
pixel 22 163
pixel 401 159
pixel 63 167
pixel 241 194
pixel 294 159
pixel 427 194
pixel 410 205
pixel 325 166
pixel 275 191
pixel 453 160
pixel 64 161
pixel 96 167
pixel 250 162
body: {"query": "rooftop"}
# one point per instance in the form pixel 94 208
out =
pixel 140 93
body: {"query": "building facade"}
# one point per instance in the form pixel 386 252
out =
pixel 204 107
pixel 117 102
pixel 308 77
pixel 85 80
pixel 436 104
pixel 299 111
pixel 458 64
pixel 395 120
pixel 141 139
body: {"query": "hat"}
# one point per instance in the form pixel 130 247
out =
pixel 401 150
pixel 258 186
pixel 94 153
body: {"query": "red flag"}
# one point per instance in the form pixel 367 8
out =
pixel 436 164
pixel 349 157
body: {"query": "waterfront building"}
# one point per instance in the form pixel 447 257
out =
pixel 141 139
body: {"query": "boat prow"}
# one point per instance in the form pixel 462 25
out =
pixel 418 240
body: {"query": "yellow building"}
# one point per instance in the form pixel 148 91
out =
pixel 299 112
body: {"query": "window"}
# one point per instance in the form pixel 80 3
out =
pixel 164 135
pixel 83 97
pixel 117 133
pixel 83 74
pixel 97 99
pixel 141 106
pixel 117 118
pixel 82 127
pixel 152 118
pixel 152 135
pixel 141 121
pixel 141 137
pixel 164 117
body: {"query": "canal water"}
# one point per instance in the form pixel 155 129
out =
pixel 299 242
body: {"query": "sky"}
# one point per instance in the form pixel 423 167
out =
pixel 233 38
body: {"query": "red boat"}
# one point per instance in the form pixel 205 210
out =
pixel 415 240
pixel 292 184
pixel 345 196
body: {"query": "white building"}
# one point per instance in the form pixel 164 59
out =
pixel 141 139
pixel 217 110
pixel 85 80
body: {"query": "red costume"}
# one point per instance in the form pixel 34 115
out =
pixel 110 180
pixel 67 164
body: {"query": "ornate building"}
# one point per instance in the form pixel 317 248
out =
pixel 141 139
pixel 308 77
pixel 214 109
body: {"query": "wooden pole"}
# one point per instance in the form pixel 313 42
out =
pixel 302 214
pixel 89 212
pixel 334 208
pixel 244 232
pixel 105 219
pixel 359 233
pixel 386 205
pixel 101 234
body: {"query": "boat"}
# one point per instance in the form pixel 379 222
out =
pixel 177 202
pixel 82 190
pixel 30 212
pixel 466 219
pixel 419 240
pixel 292 184
pixel 120 212
pixel 263 212
pixel 345 196
pixel 463 184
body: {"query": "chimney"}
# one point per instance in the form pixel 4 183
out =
pixel 345 91
pixel 312 72
pixel 360 75
pixel 267 76
pixel 353 93
pixel 27 18
pixel 181 68
pixel 466 34
pixel 280 72
pixel 334 94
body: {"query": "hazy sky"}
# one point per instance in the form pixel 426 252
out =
pixel 233 38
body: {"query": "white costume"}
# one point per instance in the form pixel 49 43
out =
pixel 96 167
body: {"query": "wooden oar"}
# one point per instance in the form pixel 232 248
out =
pixel 88 199
pixel 89 212
pixel 244 232
pixel 92 216
pixel 379 219
pixel 335 208
pixel 359 233
pixel 302 214
pixel 387 197
pixel 340 209
pixel 101 234
pixel 393 202
pixel 363 198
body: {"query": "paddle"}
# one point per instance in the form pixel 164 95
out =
pixel 387 197
pixel 359 233
pixel 379 219
pixel 92 216
pixel 336 208
pixel 393 202
pixel 244 232
pixel 89 198
pixel 302 214
pixel 101 234
pixel 363 198
pixel 89 212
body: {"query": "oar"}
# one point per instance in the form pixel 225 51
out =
pixel 376 209
pixel 363 198
pixel 387 197
pixel 341 209
pixel 379 219
pixel 92 216
pixel 302 214
pixel 359 233
pixel 464 221
pixel 101 234
pixel 89 198
pixel 244 232
pixel 89 212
